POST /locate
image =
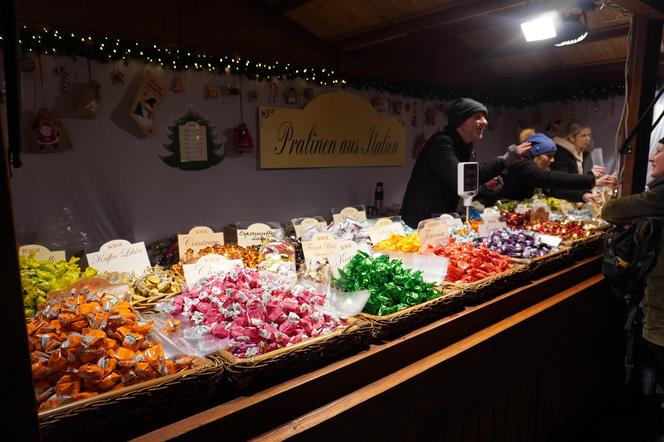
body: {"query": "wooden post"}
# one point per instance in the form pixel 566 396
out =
pixel 20 415
pixel 641 84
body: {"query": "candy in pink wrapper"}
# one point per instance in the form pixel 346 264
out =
pixel 291 305
pixel 251 333
pixel 275 311
pixel 219 331
pixel 306 323
pixel 238 332
pixel 203 307
pixel 287 327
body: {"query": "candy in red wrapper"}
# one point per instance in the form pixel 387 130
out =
pixel 220 331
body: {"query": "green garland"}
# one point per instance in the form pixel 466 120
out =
pixel 107 49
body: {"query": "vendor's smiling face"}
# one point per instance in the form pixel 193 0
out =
pixel 473 128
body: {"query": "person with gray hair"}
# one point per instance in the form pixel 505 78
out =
pixel 432 188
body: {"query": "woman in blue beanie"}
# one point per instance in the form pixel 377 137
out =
pixel 521 179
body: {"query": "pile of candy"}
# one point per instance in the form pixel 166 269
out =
pixel 400 243
pixel 88 344
pixel 278 258
pixel 392 286
pixel 515 243
pixel 464 234
pixel 40 277
pixel 250 256
pixel 567 230
pixel 252 314
pixel 155 283
pixel 469 263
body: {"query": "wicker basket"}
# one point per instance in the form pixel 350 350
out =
pixel 128 412
pixel 480 291
pixel 584 247
pixel 401 322
pixel 270 368
pixel 545 264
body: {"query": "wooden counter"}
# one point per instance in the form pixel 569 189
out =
pixel 523 366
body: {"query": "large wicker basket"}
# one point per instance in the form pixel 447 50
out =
pixel 584 247
pixel 545 264
pixel 128 412
pixel 480 291
pixel 401 322
pixel 269 368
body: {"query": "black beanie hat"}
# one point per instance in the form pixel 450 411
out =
pixel 463 108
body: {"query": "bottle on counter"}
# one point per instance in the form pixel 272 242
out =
pixel 378 196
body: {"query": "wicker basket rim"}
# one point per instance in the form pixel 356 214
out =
pixel 354 325
pixel 131 390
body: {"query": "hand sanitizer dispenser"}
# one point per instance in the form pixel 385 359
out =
pixel 468 177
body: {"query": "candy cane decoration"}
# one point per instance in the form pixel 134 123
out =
pixel 64 74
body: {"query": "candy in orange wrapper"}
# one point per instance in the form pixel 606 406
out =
pixel 153 355
pixel 93 337
pixel 57 361
pixel 69 385
pixel 110 344
pixel 108 382
pixel 145 371
pixel 40 371
pixel 85 395
pixel 90 371
pixel 50 403
pixel 142 327
pixel 171 326
pixel 91 354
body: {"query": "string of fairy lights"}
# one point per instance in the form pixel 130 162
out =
pixel 50 41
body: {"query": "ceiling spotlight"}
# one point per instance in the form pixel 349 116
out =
pixel 571 30
pixel 540 28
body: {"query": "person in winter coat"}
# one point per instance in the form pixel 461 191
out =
pixel 572 151
pixel 521 180
pixel 432 188
pixel 625 210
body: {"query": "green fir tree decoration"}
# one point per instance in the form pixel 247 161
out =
pixel 174 160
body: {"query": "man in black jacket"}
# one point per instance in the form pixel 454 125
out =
pixel 432 188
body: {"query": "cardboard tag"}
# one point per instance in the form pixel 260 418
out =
pixel 193 142
pixel 492 223
pixel 42 253
pixel 198 238
pixel 322 245
pixel 451 221
pixel 301 225
pixel 343 253
pixel 253 235
pixel 209 265
pixel 521 209
pixel 383 228
pixel 549 240
pixel 432 232
pixel 120 256
pixel 350 212
pixel 145 104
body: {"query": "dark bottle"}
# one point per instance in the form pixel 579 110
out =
pixel 378 196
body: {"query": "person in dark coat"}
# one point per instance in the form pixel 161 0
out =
pixel 521 180
pixel 432 188
pixel 648 204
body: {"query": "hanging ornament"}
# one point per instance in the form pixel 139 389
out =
pixel 65 79
pixel 274 91
pixel 414 120
pixel 90 101
pixel 380 104
pixel 117 77
pixel 430 116
pixel 48 134
pixel 193 143
pixel 177 86
pixel 212 92
pixel 308 93
pixel 233 90
pixel 242 140
pixel 291 96
pixel 397 107
pixel 27 63
pixel 145 104
pixel 420 141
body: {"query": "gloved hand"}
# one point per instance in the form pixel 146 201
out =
pixel 515 154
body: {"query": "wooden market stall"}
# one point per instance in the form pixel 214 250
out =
pixel 528 362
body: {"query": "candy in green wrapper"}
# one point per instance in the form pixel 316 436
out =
pixel 392 286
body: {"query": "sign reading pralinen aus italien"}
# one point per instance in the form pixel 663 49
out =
pixel 336 129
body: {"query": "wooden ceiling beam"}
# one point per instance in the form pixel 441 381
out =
pixel 285 6
pixel 651 9
pixel 470 10
pixel 523 48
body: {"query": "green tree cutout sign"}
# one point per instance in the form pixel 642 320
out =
pixel 192 143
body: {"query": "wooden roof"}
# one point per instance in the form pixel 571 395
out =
pixel 477 34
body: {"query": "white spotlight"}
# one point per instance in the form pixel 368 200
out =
pixel 540 28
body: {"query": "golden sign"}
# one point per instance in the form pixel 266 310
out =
pixel 336 129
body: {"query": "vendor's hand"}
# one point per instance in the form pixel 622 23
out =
pixel 598 171
pixel 492 183
pixel 607 181
pixel 590 197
